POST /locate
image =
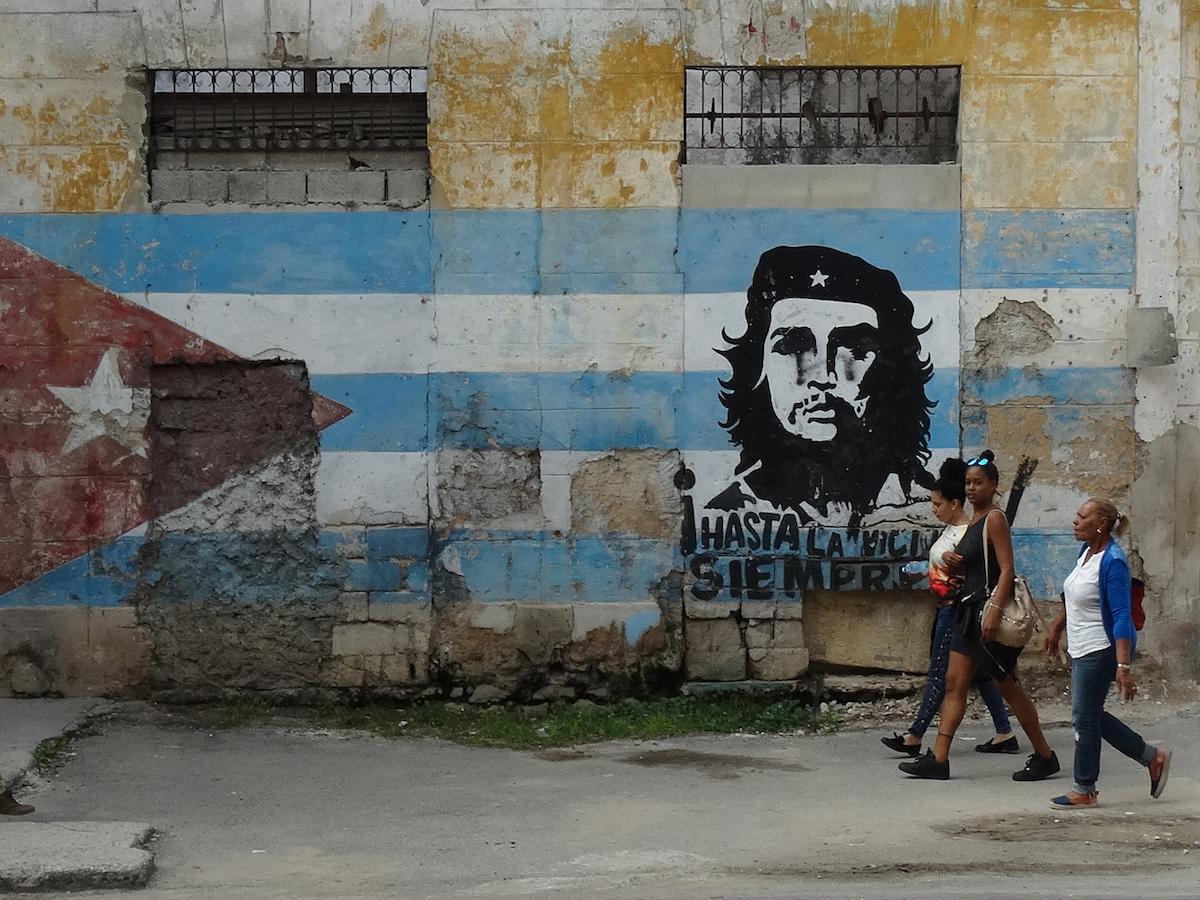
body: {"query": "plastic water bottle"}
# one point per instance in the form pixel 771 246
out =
pixel 913 573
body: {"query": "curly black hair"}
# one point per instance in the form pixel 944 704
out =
pixel 952 480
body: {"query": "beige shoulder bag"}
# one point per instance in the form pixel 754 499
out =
pixel 1021 617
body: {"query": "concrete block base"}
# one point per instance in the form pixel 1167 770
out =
pixel 71 651
pixel 73 856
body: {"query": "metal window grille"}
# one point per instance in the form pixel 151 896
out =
pixel 762 115
pixel 289 109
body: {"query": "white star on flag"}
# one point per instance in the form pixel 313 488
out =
pixel 106 406
pixel 818 278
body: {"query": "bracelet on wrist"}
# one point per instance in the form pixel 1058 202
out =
pixel 1124 666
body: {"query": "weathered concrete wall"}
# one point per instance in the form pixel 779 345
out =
pixel 516 382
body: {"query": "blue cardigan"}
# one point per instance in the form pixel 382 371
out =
pixel 1116 594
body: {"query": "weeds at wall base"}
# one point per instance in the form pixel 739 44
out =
pixel 544 725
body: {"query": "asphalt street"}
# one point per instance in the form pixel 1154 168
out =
pixel 270 812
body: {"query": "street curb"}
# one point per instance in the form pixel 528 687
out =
pixel 74 856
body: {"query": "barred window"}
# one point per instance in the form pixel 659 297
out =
pixel 865 114
pixel 289 109
pixel 290 138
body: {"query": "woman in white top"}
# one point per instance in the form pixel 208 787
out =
pixel 1097 619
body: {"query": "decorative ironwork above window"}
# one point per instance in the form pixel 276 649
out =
pixel 864 114
pixel 289 109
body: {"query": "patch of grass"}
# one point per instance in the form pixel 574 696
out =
pixel 242 712
pixel 577 723
pixel 53 752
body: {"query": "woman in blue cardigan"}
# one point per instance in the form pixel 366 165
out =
pixel 1097 619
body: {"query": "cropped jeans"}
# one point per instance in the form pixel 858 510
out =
pixel 1091 676
pixel 935 685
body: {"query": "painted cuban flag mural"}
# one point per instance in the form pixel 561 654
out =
pixel 796 372
pixel 76 382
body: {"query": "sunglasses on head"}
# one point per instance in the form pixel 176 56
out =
pixel 978 461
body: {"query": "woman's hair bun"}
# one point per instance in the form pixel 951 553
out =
pixel 987 456
pixel 953 469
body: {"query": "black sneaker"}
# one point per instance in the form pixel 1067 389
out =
pixel 927 767
pixel 896 744
pixel 1038 767
pixel 1007 746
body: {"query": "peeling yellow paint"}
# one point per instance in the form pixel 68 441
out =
pixel 378 30
pixel 630 49
pixel 1048 108
pixel 1077 4
pixel 910 32
pixel 597 175
pixel 593 128
pixel 485 175
pixel 1191 38
pixel 628 108
pixel 1053 41
pixel 508 53
pixel 28 165
pixel 91 180
pixel 66 121
pixel 69 180
pixel 1025 175
pixel 474 107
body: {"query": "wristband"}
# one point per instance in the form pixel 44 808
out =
pixel 1124 666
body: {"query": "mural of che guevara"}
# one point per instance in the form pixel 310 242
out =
pixel 826 399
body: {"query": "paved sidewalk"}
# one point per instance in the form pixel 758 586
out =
pixel 26 723
pixel 61 855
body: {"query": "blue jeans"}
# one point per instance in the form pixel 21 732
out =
pixel 1091 676
pixel 935 685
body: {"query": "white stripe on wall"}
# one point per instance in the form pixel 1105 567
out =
pixel 369 488
pixel 347 333
pixel 370 333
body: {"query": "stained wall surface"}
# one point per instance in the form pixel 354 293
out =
pixel 563 434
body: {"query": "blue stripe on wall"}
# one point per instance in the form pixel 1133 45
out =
pixel 267 253
pixel 486 251
pixel 552 410
pixel 719 248
pixel 476 251
pixel 388 411
pixel 1045 559
pixel 101 577
pixel 610 251
pixel 498 566
pixel 1048 248
pixel 570 251
pixel 542 569
pixel 1075 386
